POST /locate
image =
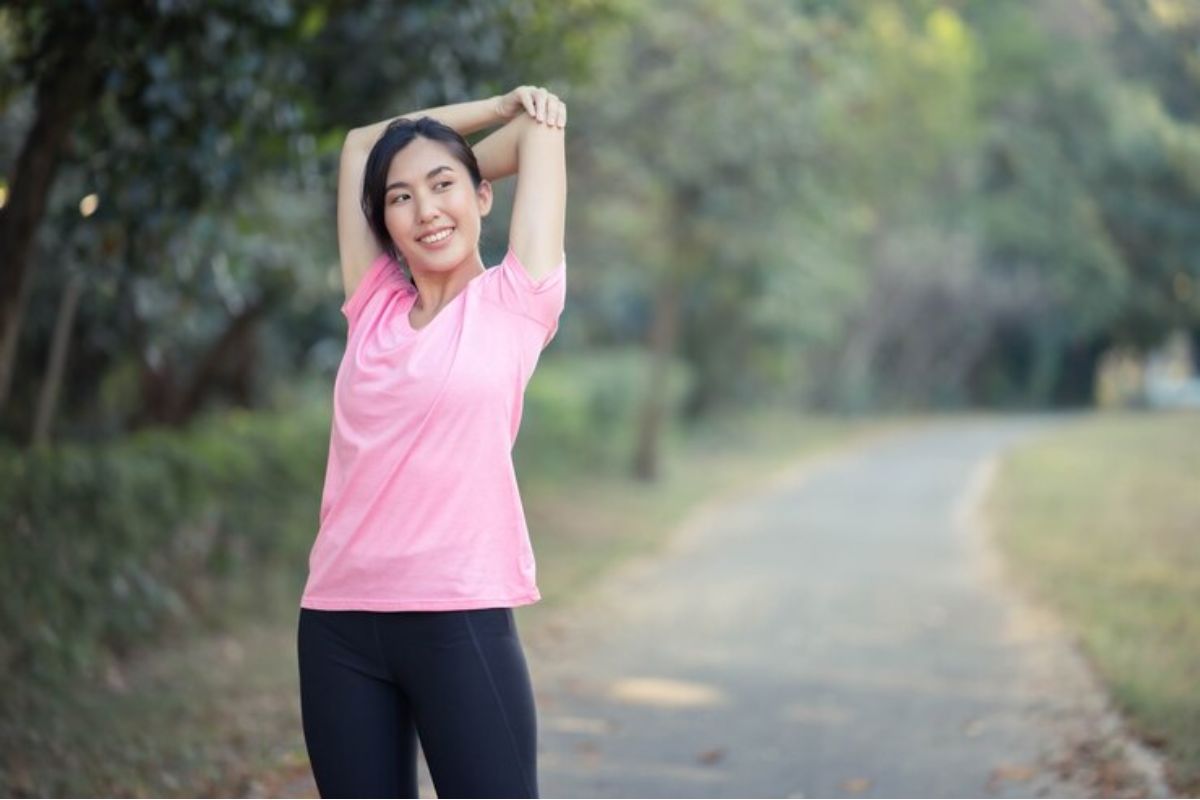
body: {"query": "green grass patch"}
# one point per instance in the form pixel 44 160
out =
pixel 1102 521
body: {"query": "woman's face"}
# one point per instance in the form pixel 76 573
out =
pixel 428 190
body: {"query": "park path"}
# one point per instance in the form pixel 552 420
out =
pixel 844 631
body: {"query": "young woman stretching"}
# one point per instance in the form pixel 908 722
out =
pixel 406 626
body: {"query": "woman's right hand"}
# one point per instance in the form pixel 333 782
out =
pixel 540 103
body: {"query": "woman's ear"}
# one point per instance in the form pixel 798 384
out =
pixel 484 196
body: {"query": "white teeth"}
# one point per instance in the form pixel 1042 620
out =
pixel 437 237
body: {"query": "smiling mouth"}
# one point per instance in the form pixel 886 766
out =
pixel 438 237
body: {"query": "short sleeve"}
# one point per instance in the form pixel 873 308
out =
pixel 542 301
pixel 382 270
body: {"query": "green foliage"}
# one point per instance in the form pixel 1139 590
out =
pixel 107 546
pixel 781 177
pixel 580 410
pixel 212 138
pixel 1084 194
pixel 786 172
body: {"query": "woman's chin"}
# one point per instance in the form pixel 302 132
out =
pixel 440 260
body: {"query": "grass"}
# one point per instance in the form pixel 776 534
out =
pixel 218 715
pixel 1102 521
pixel 199 716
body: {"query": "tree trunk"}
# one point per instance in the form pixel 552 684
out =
pixel 11 337
pixel 66 88
pixel 170 401
pixel 1076 385
pixel 227 360
pixel 663 333
pixel 48 398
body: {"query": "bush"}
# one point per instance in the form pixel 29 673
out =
pixel 581 410
pixel 106 547
pixel 103 546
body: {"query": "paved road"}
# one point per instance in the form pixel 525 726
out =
pixel 846 631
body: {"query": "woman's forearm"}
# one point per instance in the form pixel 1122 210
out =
pixel 497 152
pixel 466 118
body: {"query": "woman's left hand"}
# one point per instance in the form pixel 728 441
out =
pixel 541 104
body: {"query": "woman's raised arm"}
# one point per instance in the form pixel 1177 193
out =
pixel 498 155
pixel 533 145
pixel 539 214
pixel 466 118
pixel 357 246
pixel 497 152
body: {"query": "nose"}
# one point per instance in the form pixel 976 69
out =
pixel 426 210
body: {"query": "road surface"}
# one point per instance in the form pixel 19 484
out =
pixel 846 630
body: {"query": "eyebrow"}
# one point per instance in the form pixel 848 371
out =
pixel 428 175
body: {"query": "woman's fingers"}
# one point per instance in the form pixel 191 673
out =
pixel 556 114
pixel 542 105
pixel 526 95
pixel 531 100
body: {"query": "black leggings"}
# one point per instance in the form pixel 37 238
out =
pixel 372 681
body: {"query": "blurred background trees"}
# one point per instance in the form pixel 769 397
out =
pixel 851 207
pixel 809 206
pixel 207 136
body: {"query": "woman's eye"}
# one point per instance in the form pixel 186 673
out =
pixel 444 183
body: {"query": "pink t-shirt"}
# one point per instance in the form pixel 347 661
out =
pixel 421 508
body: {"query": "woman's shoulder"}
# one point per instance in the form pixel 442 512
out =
pixel 384 274
pixel 511 287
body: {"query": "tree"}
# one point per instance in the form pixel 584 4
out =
pixel 193 112
pixel 697 167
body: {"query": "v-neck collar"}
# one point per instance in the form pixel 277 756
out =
pixel 408 326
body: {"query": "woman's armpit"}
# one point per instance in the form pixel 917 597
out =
pixel 522 275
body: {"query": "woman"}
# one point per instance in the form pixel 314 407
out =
pixel 406 626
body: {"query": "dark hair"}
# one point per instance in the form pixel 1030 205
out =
pixel 399 134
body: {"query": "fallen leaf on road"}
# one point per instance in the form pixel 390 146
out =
pixel 712 756
pixel 589 751
pixel 1010 772
pixel 856 785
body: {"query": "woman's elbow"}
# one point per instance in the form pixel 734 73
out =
pixel 355 140
pixel 542 142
